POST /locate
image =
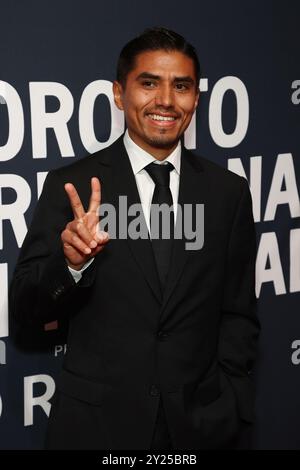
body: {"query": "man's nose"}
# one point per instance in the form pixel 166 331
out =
pixel 165 95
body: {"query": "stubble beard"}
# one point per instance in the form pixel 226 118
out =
pixel 163 140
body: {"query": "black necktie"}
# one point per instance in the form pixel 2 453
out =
pixel 162 247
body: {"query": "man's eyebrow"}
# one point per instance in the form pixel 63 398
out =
pixel 186 79
pixel 148 75
pixel 151 76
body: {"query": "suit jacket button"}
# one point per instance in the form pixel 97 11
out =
pixel 162 335
pixel 154 390
pixel 55 294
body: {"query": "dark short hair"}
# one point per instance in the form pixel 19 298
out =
pixel 153 39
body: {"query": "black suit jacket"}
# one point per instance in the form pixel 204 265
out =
pixel 127 343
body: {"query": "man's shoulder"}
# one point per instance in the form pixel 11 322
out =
pixel 87 164
pixel 218 175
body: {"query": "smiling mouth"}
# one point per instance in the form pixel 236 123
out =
pixel 161 120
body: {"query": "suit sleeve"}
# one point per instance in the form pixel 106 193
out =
pixel 239 327
pixel 42 288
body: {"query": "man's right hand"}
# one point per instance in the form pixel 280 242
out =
pixel 81 240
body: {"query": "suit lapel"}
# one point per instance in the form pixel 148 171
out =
pixel 120 181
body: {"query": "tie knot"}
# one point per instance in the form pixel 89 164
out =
pixel 160 173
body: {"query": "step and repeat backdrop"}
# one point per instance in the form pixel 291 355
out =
pixel 57 65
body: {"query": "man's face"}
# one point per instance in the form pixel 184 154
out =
pixel 159 99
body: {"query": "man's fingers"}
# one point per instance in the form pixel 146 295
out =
pixel 85 234
pixel 95 198
pixel 102 237
pixel 75 201
pixel 98 249
pixel 70 238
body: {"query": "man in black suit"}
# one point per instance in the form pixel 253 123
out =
pixel 162 339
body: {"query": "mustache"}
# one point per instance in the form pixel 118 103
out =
pixel 163 112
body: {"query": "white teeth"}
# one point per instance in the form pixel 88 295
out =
pixel 156 117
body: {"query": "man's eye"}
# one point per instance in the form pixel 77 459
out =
pixel 181 86
pixel 148 84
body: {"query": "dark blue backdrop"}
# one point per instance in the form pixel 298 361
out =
pixel 250 46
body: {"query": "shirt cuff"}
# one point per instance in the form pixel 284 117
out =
pixel 77 275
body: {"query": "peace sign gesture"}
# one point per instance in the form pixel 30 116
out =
pixel 80 238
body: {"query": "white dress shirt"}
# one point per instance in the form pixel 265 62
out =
pixel 139 158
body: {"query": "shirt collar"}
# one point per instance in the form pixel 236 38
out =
pixel 139 158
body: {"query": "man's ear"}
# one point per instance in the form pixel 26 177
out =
pixel 118 94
